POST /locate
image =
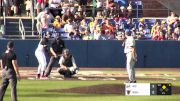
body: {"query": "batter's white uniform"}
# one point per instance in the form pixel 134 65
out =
pixel 40 55
pixel 130 62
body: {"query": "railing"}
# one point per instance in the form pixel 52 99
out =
pixel 21 29
pixel 2 26
pixel 32 16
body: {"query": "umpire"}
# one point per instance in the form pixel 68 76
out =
pixel 9 71
pixel 56 48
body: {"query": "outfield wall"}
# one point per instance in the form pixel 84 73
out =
pixel 105 53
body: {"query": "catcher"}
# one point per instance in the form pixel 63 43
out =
pixel 67 64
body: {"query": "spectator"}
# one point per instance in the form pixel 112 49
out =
pixel 164 26
pixel 139 35
pixel 93 24
pixel 123 11
pixel 67 64
pixel 103 21
pixel 161 36
pixel 86 35
pixel 41 4
pixel 129 9
pixel 76 24
pixel 174 36
pixel 103 35
pixel 99 4
pixel 42 26
pixel 44 20
pixel 55 4
pixel 15 7
pixel 69 4
pixel 120 36
pixel 170 21
pixel 116 21
pixel 177 32
pixel 97 33
pixel 83 4
pixel 75 36
pixel 130 25
pixel 133 32
pixel 108 26
pixel 80 10
pixel 78 17
pixel 83 27
pixel 117 28
pixel 176 23
pixel 46 13
pixel 122 5
pixel 99 7
pixel 109 35
pixel 67 15
pixel 142 24
pixel 123 22
pixel 69 27
pixel 57 23
pixel 156 33
pixel 156 24
pixel 110 6
pixel 28 4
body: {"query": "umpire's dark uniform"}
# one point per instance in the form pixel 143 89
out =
pixel 8 75
pixel 57 45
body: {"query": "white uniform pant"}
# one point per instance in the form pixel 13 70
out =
pixel 40 55
pixel 130 63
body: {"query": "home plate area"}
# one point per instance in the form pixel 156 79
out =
pixel 99 75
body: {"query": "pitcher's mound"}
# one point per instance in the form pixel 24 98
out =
pixel 97 89
pixel 103 89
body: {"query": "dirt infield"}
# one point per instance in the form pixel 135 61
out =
pixel 103 89
pixel 98 74
pixel 101 74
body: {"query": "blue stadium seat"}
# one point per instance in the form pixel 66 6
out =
pixel 122 2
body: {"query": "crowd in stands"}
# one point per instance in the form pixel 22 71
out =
pixel 168 29
pixel 108 21
pixel 69 17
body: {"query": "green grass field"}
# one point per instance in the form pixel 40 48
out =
pixel 36 90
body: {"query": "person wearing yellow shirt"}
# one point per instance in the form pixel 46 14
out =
pixel 57 22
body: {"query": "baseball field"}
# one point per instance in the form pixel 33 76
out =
pixel 93 84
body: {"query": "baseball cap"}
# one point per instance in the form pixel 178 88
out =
pixel 128 32
pixel 10 44
pixel 57 17
pixel 141 20
pixel 47 8
pixel 163 22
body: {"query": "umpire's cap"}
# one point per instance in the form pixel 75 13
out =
pixel 10 44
